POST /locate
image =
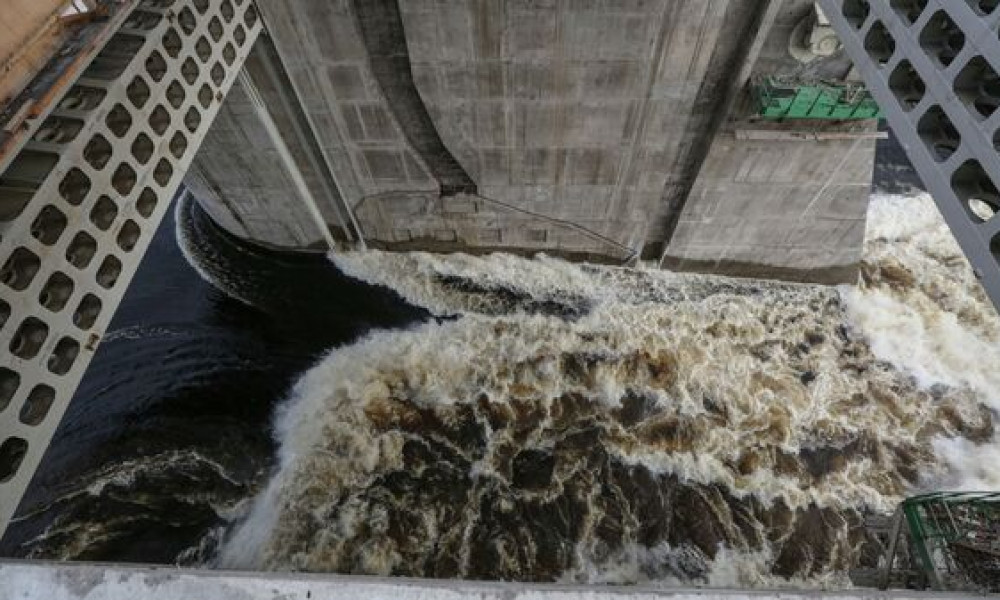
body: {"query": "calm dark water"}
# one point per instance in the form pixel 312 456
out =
pixel 170 427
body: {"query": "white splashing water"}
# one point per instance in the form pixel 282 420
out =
pixel 932 319
pixel 781 398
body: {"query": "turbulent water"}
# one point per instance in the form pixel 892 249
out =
pixel 581 423
pixel 168 433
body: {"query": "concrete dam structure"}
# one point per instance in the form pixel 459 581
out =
pixel 602 131
pixel 727 137
pixel 721 137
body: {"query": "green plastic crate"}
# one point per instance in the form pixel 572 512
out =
pixel 778 99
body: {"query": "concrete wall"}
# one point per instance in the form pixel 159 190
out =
pixel 243 184
pixel 779 200
pixel 568 109
pixel 782 209
pixel 566 115
pixel 329 79
pixel 585 129
pixel 68 581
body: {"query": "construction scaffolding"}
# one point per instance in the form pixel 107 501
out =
pixel 954 540
pixel 823 100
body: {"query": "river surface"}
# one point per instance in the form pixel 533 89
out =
pixel 170 429
pixel 502 418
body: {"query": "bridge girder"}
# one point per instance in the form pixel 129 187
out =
pixel 933 68
pixel 91 174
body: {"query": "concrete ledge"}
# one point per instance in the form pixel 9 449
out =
pixel 827 275
pixel 807 135
pixel 460 247
pixel 75 581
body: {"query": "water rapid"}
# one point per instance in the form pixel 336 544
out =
pixel 564 422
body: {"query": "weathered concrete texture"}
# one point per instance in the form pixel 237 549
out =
pixel 746 26
pixel 791 210
pixel 477 225
pixel 567 116
pixel 327 61
pixel 240 175
pixel 385 41
pixel 774 57
pixel 584 129
pixel 80 581
pixel 573 110
pixel 325 73
pixel 242 183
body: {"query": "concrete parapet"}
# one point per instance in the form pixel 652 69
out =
pixel 80 581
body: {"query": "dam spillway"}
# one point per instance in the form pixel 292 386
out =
pixel 724 137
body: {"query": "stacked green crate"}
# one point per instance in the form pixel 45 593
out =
pixel 779 99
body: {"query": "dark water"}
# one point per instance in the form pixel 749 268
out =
pixel 170 427
pixel 893 173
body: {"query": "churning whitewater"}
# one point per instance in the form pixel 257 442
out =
pixel 564 422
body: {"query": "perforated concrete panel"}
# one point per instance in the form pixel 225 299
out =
pixel 80 201
pixel 933 67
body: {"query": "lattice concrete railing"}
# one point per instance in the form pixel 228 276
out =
pixel 933 67
pixel 79 203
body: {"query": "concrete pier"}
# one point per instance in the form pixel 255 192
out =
pixel 777 202
pixel 590 130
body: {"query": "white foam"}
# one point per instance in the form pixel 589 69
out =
pixel 737 344
pixel 966 465
pixel 942 329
